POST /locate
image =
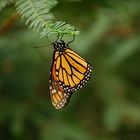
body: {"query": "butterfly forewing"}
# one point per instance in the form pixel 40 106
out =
pixel 73 71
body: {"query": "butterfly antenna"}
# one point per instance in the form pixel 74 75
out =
pixel 44 45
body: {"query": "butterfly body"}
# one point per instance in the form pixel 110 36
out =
pixel 59 46
pixel 69 72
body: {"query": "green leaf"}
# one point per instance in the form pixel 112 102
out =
pixel 39 18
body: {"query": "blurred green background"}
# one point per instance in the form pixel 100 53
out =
pixel 108 108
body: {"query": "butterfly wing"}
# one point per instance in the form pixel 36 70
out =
pixel 69 72
pixel 72 71
pixel 58 96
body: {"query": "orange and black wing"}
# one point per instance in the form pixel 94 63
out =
pixel 72 71
pixel 58 96
pixel 69 72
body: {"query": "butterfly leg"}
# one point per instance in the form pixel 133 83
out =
pixel 61 38
pixel 57 37
pixel 72 39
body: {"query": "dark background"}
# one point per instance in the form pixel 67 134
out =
pixel 108 108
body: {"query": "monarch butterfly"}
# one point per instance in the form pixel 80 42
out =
pixel 69 72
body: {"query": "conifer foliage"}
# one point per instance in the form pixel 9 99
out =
pixel 37 15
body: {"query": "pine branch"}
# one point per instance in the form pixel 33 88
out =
pixel 36 12
pixel 3 3
pixel 58 27
pixel 38 17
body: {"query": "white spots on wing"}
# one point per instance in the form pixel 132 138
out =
pixel 82 83
pixel 54 91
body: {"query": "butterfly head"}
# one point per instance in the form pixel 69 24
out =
pixel 60 46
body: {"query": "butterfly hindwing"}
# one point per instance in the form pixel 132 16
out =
pixel 59 98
